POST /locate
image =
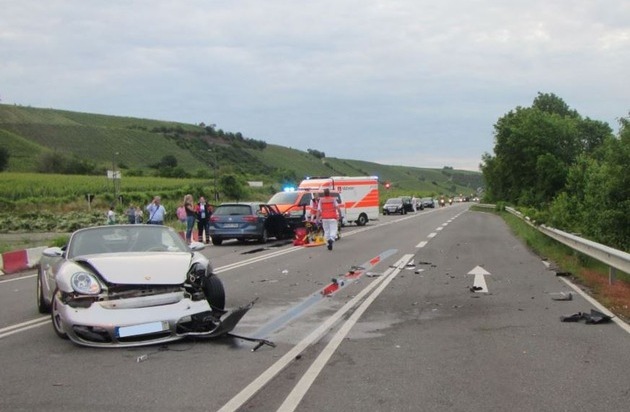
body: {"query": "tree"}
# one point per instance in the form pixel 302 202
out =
pixel 232 187
pixel 168 161
pixel 596 198
pixel 4 158
pixel 534 149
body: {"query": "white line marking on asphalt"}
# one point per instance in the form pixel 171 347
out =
pixel 250 390
pixel 295 397
pixel 20 327
pixel 432 235
pixel 422 244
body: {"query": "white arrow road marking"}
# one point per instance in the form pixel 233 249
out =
pixel 479 284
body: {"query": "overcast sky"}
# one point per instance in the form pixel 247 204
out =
pixel 399 82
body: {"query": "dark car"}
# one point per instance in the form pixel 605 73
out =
pixel 248 221
pixel 394 205
pixel 428 202
pixel 408 204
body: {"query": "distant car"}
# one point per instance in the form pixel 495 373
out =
pixel 394 205
pixel 428 202
pixel 248 221
pixel 129 285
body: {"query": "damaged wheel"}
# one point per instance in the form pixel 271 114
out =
pixel 215 293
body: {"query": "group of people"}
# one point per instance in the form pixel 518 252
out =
pixel 188 213
pixel 200 212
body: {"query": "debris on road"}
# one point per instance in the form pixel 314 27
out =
pixel 594 317
pixel 561 296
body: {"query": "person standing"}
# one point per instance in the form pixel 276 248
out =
pixel 328 212
pixel 190 216
pixel 131 214
pixel 138 215
pixel 203 212
pixel 156 212
pixel 111 216
pixel 312 209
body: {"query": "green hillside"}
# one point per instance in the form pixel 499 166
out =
pixel 137 144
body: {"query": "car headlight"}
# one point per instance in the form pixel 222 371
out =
pixel 198 272
pixel 85 283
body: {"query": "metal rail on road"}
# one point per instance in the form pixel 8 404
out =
pixel 615 259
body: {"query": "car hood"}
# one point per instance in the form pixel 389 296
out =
pixel 142 268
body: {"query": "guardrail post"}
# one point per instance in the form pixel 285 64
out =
pixel 612 273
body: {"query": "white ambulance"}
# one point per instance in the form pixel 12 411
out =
pixel 359 195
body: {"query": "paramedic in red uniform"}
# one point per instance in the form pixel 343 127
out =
pixel 312 209
pixel 328 211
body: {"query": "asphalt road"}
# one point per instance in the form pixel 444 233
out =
pixel 408 335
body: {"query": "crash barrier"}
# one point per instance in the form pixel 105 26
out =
pixel 615 259
pixel 17 260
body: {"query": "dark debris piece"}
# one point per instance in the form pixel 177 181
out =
pixel 594 317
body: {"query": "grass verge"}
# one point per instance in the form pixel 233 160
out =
pixel 591 275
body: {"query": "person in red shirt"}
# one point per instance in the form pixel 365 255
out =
pixel 328 212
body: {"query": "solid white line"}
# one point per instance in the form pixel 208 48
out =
pixel 15 279
pixel 23 326
pixel 257 384
pixel 422 244
pixel 297 394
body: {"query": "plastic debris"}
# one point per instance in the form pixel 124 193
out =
pixel 141 358
pixel 562 296
pixel 594 317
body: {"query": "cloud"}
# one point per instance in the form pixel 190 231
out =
pixel 407 81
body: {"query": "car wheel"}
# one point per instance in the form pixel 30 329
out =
pixel 215 293
pixel 42 305
pixel 263 237
pixel 362 220
pixel 56 317
pixel 217 241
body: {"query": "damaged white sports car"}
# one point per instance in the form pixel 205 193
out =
pixel 131 285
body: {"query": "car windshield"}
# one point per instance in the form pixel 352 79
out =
pixel 283 198
pixel 396 201
pixel 124 239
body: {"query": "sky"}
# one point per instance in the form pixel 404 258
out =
pixel 398 82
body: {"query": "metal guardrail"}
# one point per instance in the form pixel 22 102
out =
pixel 615 259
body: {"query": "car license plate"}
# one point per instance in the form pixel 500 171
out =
pixel 230 225
pixel 142 329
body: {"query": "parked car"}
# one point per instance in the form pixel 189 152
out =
pixel 428 202
pixel 246 221
pixel 394 205
pixel 407 203
pixel 130 285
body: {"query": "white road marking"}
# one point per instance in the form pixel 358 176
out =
pixel 479 284
pixel 295 397
pixel 264 378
